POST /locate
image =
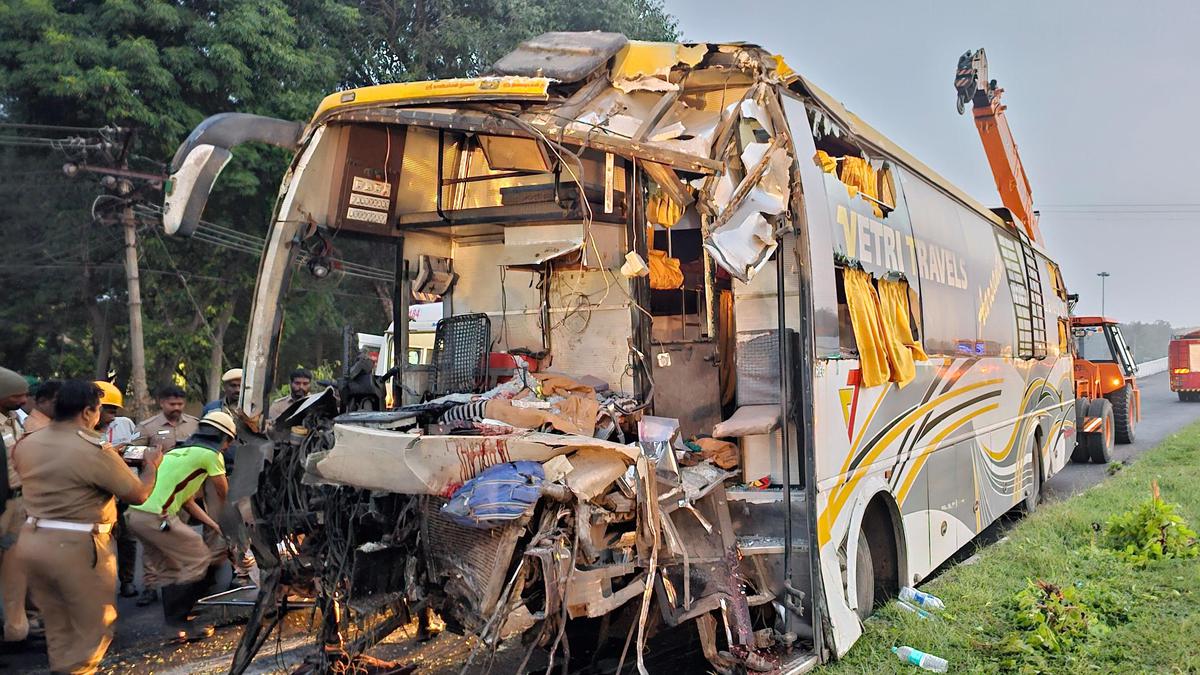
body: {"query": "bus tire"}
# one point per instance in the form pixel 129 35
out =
pixel 1123 418
pixel 864 576
pixel 1100 442
pixel 1035 495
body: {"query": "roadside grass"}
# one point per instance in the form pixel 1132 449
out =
pixel 1160 602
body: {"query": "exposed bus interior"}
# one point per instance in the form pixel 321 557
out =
pixel 613 333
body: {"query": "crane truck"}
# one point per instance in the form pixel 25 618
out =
pixel 1107 400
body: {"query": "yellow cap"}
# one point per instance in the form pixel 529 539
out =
pixel 221 421
pixel 109 394
pixel 232 374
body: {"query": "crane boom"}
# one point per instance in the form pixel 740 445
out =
pixel 972 84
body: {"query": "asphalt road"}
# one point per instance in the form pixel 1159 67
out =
pixel 1162 414
pixel 139 648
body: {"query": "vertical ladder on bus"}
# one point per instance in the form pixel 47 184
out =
pixel 1033 339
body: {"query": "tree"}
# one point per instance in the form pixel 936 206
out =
pixel 162 67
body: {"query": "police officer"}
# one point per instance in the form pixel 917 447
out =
pixel 171 424
pixel 231 388
pixel 299 384
pixel 177 551
pixel 71 478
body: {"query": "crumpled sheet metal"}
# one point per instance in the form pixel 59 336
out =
pixel 390 461
pixel 647 65
pixel 744 239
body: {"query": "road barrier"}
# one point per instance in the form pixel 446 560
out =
pixel 1152 367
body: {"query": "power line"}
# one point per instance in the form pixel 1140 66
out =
pixel 59 127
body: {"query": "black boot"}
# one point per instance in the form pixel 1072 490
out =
pixel 178 601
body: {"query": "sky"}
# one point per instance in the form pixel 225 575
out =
pixel 1103 100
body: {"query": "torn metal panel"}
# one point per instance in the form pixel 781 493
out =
pixel 744 244
pixel 566 57
pixel 591 593
pixel 647 65
pixel 593 471
pixel 742 239
pixel 376 459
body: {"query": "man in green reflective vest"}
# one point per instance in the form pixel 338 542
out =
pixel 174 548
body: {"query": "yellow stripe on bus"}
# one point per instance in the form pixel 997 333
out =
pixel 933 445
pixel 839 494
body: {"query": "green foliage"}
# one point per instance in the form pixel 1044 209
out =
pixel 1152 531
pixel 160 68
pixel 1050 622
pixel 1147 341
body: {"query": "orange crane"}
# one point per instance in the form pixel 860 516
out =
pixel 1107 399
pixel 972 83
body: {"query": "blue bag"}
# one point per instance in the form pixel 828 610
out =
pixel 499 495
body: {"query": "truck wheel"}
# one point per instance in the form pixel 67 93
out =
pixel 1100 441
pixel 1122 405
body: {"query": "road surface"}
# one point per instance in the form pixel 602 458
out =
pixel 1162 414
pixel 137 647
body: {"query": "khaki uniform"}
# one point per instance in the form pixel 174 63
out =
pixel 278 406
pixel 36 420
pixel 160 431
pixel 177 554
pixel 71 475
pixel 13 586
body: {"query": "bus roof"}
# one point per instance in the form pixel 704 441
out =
pixel 555 72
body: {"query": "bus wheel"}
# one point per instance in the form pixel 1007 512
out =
pixel 864 576
pixel 1100 442
pixel 1122 404
pixel 1035 493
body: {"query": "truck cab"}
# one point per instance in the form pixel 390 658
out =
pixel 1108 402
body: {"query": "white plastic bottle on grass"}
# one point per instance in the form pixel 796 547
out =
pixel 920 659
pixel 914 610
pixel 923 600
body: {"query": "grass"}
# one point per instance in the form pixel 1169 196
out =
pixel 1160 602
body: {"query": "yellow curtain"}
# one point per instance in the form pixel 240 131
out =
pixel 886 187
pixel 727 348
pixel 661 210
pixel 863 303
pixel 902 348
pixel 665 273
pixel 827 163
pixel 858 176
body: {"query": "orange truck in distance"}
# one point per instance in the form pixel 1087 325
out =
pixel 1183 363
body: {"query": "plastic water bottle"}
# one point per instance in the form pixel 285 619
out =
pixel 920 659
pixel 914 610
pixel 920 599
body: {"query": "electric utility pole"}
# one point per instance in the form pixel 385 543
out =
pixel 118 180
pixel 137 342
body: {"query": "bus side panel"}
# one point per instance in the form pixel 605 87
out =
pixel 828 436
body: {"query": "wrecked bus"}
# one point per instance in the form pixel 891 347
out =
pixel 714 352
